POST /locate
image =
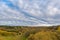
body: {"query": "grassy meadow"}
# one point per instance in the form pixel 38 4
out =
pixel 29 33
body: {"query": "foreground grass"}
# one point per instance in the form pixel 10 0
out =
pixel 10 37
pixel 7 38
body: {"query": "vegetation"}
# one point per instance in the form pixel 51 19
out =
pixel 29 33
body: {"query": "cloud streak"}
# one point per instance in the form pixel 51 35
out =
pixel 29 12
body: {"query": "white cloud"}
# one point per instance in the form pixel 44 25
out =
pixel 32 8
pixel 44 24
pixel 52 10
pixel 9 13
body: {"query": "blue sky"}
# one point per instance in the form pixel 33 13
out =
pixel 29 12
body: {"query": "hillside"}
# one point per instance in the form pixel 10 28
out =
pixel 29 33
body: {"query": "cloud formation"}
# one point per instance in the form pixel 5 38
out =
pixel 29 12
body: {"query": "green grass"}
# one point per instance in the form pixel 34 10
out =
pixel 8 37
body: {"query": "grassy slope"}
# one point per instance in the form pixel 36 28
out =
pixel 29 33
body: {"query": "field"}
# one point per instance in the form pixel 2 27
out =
pixel 29 33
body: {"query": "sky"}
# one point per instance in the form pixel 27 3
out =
pixel 29 12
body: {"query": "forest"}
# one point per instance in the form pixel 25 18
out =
pixel 30 32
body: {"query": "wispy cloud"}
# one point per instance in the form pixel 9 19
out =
pixel 29 12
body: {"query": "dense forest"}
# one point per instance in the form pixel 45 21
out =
pixel 29 33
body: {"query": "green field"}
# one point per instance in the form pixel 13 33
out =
pixel 29 33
